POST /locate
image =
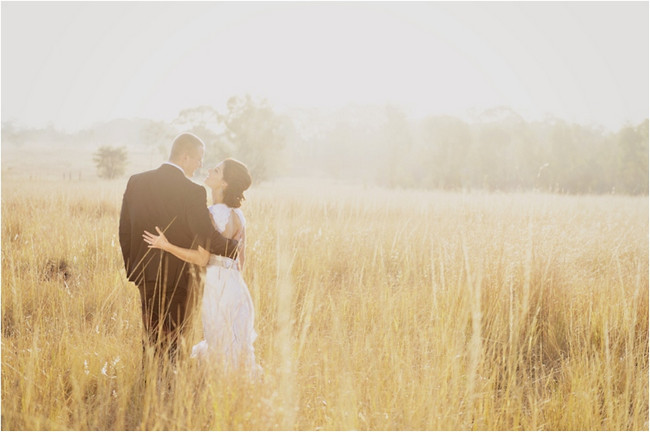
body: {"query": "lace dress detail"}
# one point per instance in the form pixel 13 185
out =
pixel 227 310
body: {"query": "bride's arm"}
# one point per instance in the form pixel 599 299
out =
pixel 242 249
pixel 198 256
pixel 235 229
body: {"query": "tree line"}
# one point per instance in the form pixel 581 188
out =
pixel 493 150
pixel 496 150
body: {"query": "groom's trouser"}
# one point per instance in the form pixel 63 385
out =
pixel 164 315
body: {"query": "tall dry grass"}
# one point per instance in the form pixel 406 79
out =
pixel 375 310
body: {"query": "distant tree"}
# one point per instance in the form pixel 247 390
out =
pixel 158 136
pixel 11 133
pixel 632 163
pixel 447 142
pixel 393 149
pixel 257 134
pixel 204 122
pixel 110 161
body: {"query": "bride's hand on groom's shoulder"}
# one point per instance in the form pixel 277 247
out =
pixel 156 241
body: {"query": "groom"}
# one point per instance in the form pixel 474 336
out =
pixel 167 198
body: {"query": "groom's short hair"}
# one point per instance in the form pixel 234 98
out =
pixel 183 144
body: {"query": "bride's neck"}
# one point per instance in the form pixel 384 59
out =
pixel 217 196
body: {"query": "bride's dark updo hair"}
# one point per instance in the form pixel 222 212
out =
pixel 238 179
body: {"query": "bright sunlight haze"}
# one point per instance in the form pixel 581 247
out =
pixel 91 62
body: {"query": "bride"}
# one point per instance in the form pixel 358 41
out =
pixel 226 309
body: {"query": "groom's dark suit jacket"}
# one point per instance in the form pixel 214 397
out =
pixel 164 197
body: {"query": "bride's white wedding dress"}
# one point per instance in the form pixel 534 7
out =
pixel 227 309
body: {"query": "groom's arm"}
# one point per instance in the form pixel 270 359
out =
pixel 200 223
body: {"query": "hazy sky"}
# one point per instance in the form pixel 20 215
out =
pixel 73 64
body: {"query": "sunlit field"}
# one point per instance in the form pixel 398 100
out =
pixel 375 309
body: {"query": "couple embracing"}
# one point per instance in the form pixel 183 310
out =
pixel 168 234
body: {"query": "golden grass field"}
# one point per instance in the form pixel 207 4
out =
pixel 375 309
